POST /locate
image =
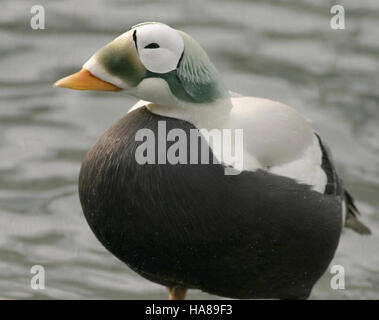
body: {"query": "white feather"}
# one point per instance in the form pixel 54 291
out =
pixel 171 45
pixel 306 169
pixel 139 104
pixel 279 139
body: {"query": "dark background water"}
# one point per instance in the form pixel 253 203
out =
pixel 281 50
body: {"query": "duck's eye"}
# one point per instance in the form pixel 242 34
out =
pixel 152 45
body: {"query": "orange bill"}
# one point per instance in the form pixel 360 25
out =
pixel 84 80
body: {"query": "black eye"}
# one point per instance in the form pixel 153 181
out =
pixel 152 45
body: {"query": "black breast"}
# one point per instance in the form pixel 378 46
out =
pixel 252 235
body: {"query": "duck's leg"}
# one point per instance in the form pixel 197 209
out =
pixel 176 293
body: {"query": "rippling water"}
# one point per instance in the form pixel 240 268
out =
pixel 282 50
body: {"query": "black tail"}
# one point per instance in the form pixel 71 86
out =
pixel 352 214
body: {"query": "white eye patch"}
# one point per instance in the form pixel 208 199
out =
pixel 159 47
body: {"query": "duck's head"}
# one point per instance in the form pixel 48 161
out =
pixel 153 62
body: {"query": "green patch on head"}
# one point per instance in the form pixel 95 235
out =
pixel 120 59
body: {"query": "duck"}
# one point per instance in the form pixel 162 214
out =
pixel 266 229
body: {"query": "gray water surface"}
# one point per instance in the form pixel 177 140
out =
pixel 281 50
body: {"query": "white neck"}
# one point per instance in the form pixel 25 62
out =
pixel 203 116
pixel 164 103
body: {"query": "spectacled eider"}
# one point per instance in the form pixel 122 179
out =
pixel 268 232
